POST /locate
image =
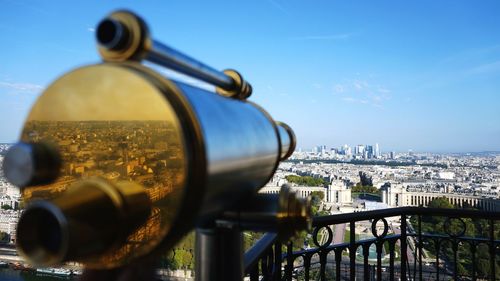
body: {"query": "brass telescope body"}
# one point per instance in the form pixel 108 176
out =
pixel 143 158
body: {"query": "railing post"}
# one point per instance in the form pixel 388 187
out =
pixel 307 266
pixel 455 258
pixel 438 248
pixel 379 244
pixel 289 262
pixel 473 253
pixel 322 262
pixel 492 250
pixel 420 247
pixel 277 261
pixel 366 266
pixel 219 254
pixel 392 249
pixel 338 262
pixel 404 246
pixel 352 250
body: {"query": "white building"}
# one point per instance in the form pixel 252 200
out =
pixel 8 222
pixel 338 193
pixel 400 196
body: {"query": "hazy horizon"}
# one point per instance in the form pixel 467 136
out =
pixel 421 76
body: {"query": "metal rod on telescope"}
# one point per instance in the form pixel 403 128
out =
pixel 124 36
pixel 168 57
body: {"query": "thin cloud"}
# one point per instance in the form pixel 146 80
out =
pixel 354 100
pixel 360 85
pixel 271 91
pixel 279 7
pixel 317 86
pixel 338 88
pixel 21 87
pixel 486 68
pixel 32 6
pixel 471 54
pixel 360 91
pixel 332 37
pixel 91 29
pixel 383 90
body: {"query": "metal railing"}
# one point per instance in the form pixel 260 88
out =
pixel 407 243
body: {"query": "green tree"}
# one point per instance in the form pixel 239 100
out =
pixel 440 202
pixel 365 189
pixel 473 228
pixel 180 257
pixel 306 180
pixel 4 237
pixel 6 207
pixel 316 199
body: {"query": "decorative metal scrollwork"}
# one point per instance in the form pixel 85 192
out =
pixel 374 228
pixel 328 240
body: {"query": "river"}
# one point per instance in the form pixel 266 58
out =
pixel 9 274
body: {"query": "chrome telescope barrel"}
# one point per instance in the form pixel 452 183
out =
pixel 124 36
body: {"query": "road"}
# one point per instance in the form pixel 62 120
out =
pixel 338 236
pixel 9 254
pixel 409 252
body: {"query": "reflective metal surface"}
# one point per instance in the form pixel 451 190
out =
pixel 92 217
pixel 111 121
pixel 194 152
pixel 125 36
pixel 287 140
pixel 181 154
pixel 28 164
pixel 242 147
pixel 285 214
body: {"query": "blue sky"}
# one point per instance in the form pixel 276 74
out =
pixel 421 75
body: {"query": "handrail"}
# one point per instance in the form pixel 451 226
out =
pixel 259 250
pixel 393 212
pixel 264 259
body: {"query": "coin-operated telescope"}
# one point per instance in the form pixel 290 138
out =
pixel 117 162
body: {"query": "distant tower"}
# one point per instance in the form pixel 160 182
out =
pixel 377 151
pixel 369 151
pixel 348 151
pixel 359 150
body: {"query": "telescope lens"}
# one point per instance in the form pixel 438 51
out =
pixel 112 34
pixel 106 31
pixel 42 235
pixel 112 122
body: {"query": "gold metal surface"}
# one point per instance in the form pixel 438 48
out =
pixel 113 122
pixel 286 153
pixel 92 217
pixel 242 89
pixel 294 214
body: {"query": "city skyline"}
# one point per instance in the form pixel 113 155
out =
pixel 420 76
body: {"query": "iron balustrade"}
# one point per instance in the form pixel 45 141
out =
pixel 454 251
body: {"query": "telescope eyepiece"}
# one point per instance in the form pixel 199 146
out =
pixel 90 218
pixel 44 234
pixel 112 34
pixel 29 164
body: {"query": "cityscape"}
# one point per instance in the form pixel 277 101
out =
pixel 467 180
pixel 386 116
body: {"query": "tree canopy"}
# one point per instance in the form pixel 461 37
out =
pixel 306 180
